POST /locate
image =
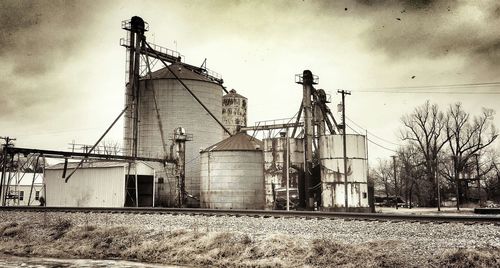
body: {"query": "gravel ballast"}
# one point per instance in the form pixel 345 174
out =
pixel 412 242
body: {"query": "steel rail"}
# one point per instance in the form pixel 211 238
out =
pixel 268 213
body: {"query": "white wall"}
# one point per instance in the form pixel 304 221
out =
pixel 88 187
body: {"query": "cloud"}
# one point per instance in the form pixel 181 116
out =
pixel 37 38
pixel 434 29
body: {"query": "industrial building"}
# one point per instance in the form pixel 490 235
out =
pixel 187 144
pixel 100 184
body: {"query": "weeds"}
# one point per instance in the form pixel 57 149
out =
pixel 62 239
pixel 11 229
pixel 60 228
pixel 470 258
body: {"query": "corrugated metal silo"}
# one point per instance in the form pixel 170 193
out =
pixel 275 151
pixel 332 172
pixel 177 108
pixel 234 112
pixel 232 175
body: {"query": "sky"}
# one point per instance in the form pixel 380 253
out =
pixel 62 76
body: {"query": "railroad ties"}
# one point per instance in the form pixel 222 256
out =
pixel 276 214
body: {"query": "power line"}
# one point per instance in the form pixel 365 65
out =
pixel 486 88
pixel 428 92
pixel 381 146
pixel 468 85
pixel 371 133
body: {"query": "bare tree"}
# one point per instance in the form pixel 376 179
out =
pixel 410 173
pixel 110 147
pixel 425 129
pixel 383 177
pixel 466 139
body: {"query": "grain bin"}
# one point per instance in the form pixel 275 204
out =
pixel 232 175
pixel 234 112
pixel 177 108
pixel 332 173
pixel 275 151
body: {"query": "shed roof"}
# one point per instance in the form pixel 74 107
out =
pixel 93 164
pixel 238 142
pixel 180 70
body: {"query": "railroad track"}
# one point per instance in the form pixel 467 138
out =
pixel 470 219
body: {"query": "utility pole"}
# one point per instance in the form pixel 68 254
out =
pixel 395 180
pixel 343 92
pixel 478 179
pixel 438 186
pixel 287 171
pixel 455 160
pixel 3 189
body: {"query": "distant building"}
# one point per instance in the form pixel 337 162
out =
pixel 20 187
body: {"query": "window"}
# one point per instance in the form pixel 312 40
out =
pixel 365 195
pixel 37 195
pixel 21 195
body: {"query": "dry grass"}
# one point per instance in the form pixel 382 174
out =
pixel 61 239
pixel 464 258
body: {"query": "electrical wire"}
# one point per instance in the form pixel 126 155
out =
pixel 381 146
pixel 429 92
pixel 371 133
pixel 486 88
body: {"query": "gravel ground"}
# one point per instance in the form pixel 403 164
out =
pixel 413 241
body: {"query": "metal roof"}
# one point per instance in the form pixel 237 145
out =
pixel 179 69
pixel 238 142
pixel 93 164
pixel 233 94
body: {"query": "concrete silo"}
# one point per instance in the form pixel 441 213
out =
pixel 177 108
pixel 234 112
pixel 333 174
pixel 232 175
pixel 275 154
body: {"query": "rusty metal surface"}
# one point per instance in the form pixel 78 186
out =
pixel 274 165
pixel 332 171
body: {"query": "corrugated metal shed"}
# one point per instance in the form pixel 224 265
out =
pixel 96 184
pixel 88 187
pixel 238 142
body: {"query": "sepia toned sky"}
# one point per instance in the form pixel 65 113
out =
pixel 62 70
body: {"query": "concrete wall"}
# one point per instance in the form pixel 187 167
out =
pixel 333 174
pixel 274 165
pixel 179 109
pixel 88 187
pixel 232 180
